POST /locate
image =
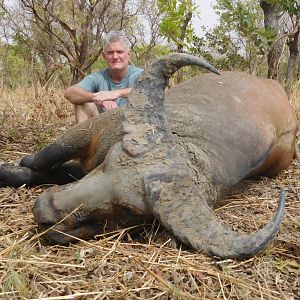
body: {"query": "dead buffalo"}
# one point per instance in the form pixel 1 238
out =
pixel 170 161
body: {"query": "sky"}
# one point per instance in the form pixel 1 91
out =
pixel 207 15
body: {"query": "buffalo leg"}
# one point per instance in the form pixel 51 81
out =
pixel 51 156
pixel 15 176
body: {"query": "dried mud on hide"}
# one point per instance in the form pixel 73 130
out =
pixel 121 265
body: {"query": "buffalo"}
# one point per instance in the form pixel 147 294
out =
pixel 171 160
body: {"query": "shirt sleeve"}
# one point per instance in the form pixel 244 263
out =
pixel 135 74
pixel 90 83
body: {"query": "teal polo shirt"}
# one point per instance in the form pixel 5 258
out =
pixel 101 81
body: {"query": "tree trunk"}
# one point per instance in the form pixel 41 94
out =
pixel 294 59
pixel 271 22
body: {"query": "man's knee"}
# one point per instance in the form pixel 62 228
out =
pixel 85 111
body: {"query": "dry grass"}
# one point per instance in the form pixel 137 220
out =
pixel 117 265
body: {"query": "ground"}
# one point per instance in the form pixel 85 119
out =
pixel 134 263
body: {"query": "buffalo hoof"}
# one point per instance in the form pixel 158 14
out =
pixel 27 161
pixel 14 176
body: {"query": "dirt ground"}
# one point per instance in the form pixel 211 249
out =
pixel 140 262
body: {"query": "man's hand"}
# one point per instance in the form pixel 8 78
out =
pixel 106 99
pixel 102 96
pixel 108 105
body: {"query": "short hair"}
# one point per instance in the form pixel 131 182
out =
pixel 115 36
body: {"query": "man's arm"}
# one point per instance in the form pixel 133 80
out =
pixel 77 95
pixel 107 98
pixel 111 95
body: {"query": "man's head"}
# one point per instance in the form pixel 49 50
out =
pixel 116 50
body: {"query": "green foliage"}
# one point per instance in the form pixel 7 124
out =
pixel 22 46
pixel 290 6
pixel 14 68
pixel 176 25
pixel 99 64
pixel 2 12
pixel 154 52
pixel 217 49
pixel 246 18
pixel 240 40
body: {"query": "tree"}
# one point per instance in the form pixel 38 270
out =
pixel 239 41
pixel 283 16
pixel 144 35
pixel 70 31
pixel 272 16
pixel 12 57
pixel 294 58
pixel 255 35
pixel 292 7
pixel 176 24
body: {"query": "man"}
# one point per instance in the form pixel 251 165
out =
pixel 109 88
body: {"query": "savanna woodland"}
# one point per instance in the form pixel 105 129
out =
pixel 47 45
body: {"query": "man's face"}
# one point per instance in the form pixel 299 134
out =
pixel 116 56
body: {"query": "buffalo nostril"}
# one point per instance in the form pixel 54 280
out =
pixel 44 211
